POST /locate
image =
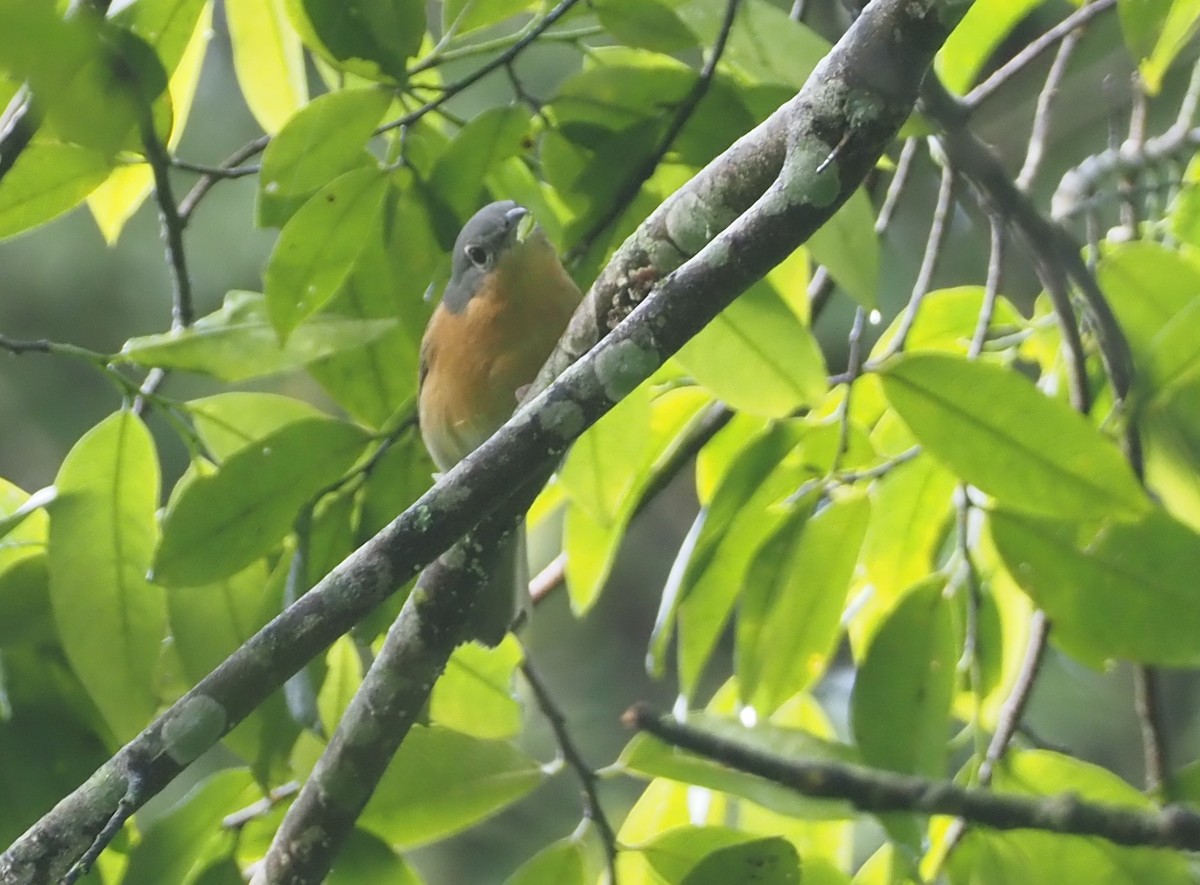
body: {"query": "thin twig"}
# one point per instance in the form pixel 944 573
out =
pixel 479 73
pixel 570 754
pixel 991 286
pixel 853 368
pixel 938 228
pixel 1032 50
pixel 238 819
pixel 548 579
pixel 170 220
pixel 629 189
pixel 217 171
pixel 251 149
pixel 1041 118
pixel 1148 706
pixel 891 198
pixel 1008 720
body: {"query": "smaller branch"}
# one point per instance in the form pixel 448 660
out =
pixel 1148 705
pixel 877 791
pixel 217 171
pixel 588 780
pixel 853 369
pixel 172 222
pixel 849 477
pixel 1073 22
pixel 251 149
pixel 628 191
pixel 255 810
pixel 1041 117
pixel 479 73
pixel 1008 721
pixel 938 228
pixel 891 198
pixel 126 806
pixel 548 579
pixel 991 286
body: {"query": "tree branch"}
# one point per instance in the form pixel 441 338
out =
pixel 877 791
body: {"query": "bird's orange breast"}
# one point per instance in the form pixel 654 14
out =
pixel 477 360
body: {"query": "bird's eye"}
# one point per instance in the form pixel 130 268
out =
pixel 477 255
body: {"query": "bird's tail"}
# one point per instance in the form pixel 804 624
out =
pixel 506 594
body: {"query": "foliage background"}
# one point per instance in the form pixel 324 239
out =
pixel 62 282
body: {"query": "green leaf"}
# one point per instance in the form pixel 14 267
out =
pixel 680 849
pixel 975 38
pixel 186 840
pixel 220 523
pixel 367 859
pixel 1120 591
pixel 1141 24
pixel 646 24
pixel 758 357
pixel 911 506
pixel 268 60
pixel 102 535
pixel 765 44
pixel 996 431
pixel 373 380
pixel 343 676
pixel 848 247
pixel 210 622
pixel 227 422
pixel 48 749
pixel 1147 285
pixel 25 615
pixel 327 138
pixel 490 138
pixel 732 528
pixel 1156 31
pixel 788 623
pixel 947 320
pixel 369 38
pixel 564 862
pixel 646 755
pixel 442 782
pixel 474 695
pixel 468 15
pixel 900 708
pixel 770 861
pixel 607 470
pixel 1183 216
pixel 318 246
pixel 237 343
pixel 47 180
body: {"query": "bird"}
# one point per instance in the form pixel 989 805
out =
pixel 507 303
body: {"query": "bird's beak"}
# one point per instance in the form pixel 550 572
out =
pixel 522 221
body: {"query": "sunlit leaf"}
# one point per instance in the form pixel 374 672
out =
pixel 102 536
pixel 901 703
pixel 996 431
pixel 1121 591
pixel 236 342
pixel 318 246
pixel 221 522
pixel 441 782
pixel 325 139
pixel 268 60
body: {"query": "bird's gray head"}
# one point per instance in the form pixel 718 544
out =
pixel 481 242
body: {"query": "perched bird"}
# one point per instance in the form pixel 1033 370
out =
pixel 506 305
